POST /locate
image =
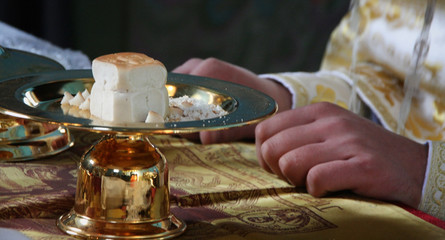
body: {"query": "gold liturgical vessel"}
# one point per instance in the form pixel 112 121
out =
pixel 122 191
pixel 123 180
pixel 20 139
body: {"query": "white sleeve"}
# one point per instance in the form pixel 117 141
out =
pixel 307 88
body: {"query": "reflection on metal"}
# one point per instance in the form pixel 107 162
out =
pixel 123 182
pixel 122 192
pixel 38 98
pixel 22 139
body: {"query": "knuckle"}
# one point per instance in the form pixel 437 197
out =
pixel 194 59
pixel 211 67
pixel 324 107
pixel 366 166
pixel 294 165
pixel 327 109
pixel 339 124
pixel 211 61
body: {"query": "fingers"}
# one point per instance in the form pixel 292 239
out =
pixel 294 142
pixel 270 127
pixel 290 130
pixel 329 149
pixel 294 163
pixel 330 177
pixel 287 145
pixel 188 66
pixel 295 117
pixel 229 135
pixel 279 123
pixel 194 137
pixel 214 68
pixel 218 69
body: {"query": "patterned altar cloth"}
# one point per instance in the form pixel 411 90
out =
pixel 220 192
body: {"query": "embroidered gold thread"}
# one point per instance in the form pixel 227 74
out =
pixel 433 199
pixel 327 94
pixel 302 97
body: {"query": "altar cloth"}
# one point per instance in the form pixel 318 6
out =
pixel 219 190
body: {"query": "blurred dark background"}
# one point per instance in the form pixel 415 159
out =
pixel 261 35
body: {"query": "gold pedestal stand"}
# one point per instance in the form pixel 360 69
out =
pixel 123 180
pixel 122 193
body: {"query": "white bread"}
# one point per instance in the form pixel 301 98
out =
pixel 118 106
pixel 77 100
pixel 127 86
pixel 128 72
pixel 153 117
pixel 66 98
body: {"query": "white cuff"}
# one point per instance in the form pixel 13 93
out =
pixel 433 192
pixel 427 171
pixel 306 88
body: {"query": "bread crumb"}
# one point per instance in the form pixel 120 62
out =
pixel 186 108
pixel 182 108
pixel 154 117
pixel 77 100
pixel 66 98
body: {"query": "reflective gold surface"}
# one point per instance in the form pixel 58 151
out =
pixel 38 98
pixel 22 139
pixel 123 183
pixel 122 192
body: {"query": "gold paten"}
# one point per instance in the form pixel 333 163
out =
pixel 122 183
pixel 122 192
pixel 22 139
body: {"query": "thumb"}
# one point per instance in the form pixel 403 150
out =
pixel 229 135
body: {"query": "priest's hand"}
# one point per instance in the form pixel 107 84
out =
pixel 218 69
pixel 327 148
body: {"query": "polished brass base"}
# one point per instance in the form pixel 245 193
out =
pixel 122 193
pixel 81 226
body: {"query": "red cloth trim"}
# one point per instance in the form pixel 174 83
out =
pixel 424 216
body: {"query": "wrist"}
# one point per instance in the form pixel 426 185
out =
pixel 279 92
pixel 283 97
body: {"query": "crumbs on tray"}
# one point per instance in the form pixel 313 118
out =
pixel 182 108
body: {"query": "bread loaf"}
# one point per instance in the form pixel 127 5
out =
pixel 127 86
